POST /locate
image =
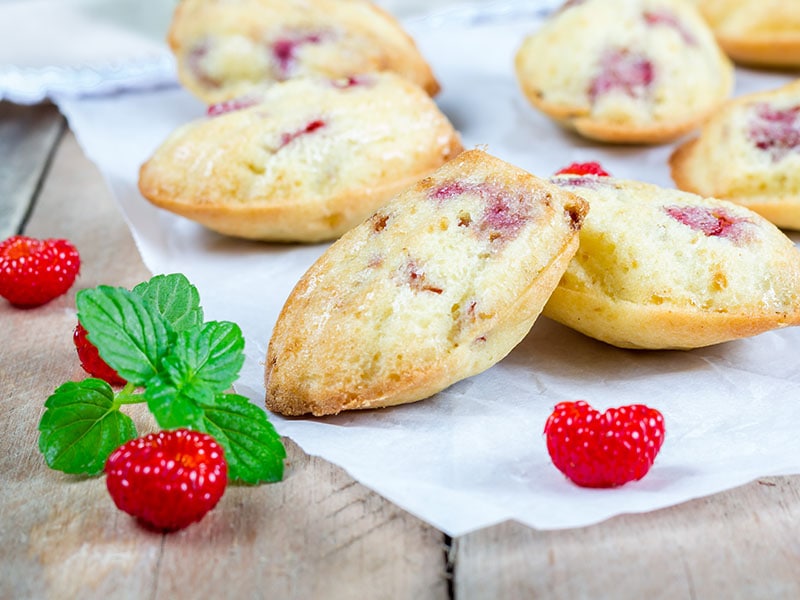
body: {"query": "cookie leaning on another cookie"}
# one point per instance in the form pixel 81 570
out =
pixel 629 71
pixel 663 269
pixel 749 153
pixel 224 49
pixel 438 285
pixel 305 161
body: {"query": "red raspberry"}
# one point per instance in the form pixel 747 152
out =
pixel 716 222
pixel 605 449
pixel 622 71
pixel 168 479
pixel 33 272
pixel 288 138
pixel 90 358
pixel 587 168
pixel 220 108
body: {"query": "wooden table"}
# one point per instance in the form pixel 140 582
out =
pixel 317 534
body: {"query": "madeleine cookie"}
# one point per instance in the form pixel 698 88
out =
pixel 305 161
pixel 659 269
pixel 438 285
pixel 756 32
pixel 749 153
pixel 224 49
pixel 633 71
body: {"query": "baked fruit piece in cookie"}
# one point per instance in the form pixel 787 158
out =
pixel 223 49
pixel 749 153
pixel 305 161
pixel 436 286
pixel 663 269
pixel 632 71
pixel 756 32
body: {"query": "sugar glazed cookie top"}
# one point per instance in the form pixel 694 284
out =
pixel 757 32
pixel 662 268
pixel 749 153
pixel 625 70
pixel 436 286
pixel 305 160
pixel 225 48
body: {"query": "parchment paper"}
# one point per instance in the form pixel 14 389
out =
pixel 474 455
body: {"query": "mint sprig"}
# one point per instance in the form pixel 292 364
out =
pixel 82 425
pixel 154 336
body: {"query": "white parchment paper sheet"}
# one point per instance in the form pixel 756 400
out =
pixel 474 454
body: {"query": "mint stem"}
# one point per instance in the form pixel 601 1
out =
pixel 126 396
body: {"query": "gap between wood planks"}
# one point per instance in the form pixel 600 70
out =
pixel 29 137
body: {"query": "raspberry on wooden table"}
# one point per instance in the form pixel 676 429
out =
pixel 34 272
pixel 168 479
pixel 607 449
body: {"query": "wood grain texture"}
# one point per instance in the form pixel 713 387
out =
pixel 744 543
pixel 316 534
pixel 27 136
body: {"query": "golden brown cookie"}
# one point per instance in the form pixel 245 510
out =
pixel 304 161
pixel 438 285
pixel 661 269
pixel 756 32
pixel 224 49
pixel 749 153
pixel 632 71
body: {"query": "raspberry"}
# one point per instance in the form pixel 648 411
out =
pixel 607 449
pixel 662 17
pixel 34 272
pixel 90 358
pixel 284 50
pixel 220 108
pixel 168 479
pixel 622 71
pixel 288 138
pixel 587 168
pixel 776 131
pixel 711 222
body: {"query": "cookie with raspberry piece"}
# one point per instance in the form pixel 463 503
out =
pixel 304 161
pixel 626 71
pixel 224 49
pixel 438 285
pixel 749 153
pixel 663 269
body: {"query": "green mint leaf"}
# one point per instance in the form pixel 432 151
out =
pixel 174 396
pixel 81 426
pixel 130 336
pixel 215 353
pixel 175 299
pixel 253 448
pixel 202 362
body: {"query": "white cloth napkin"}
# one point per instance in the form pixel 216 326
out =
pixel 78 47
pixel 474 454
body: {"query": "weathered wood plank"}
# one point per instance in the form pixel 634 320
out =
pixel 316 534
pixel 27 138
pixel 738 544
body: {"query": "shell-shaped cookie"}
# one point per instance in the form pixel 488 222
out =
pixel 438 285
pixel 305 161
pixel 223 49
pixel 661 269
pixel 749 153
pixel 633 71
pixel 756 32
